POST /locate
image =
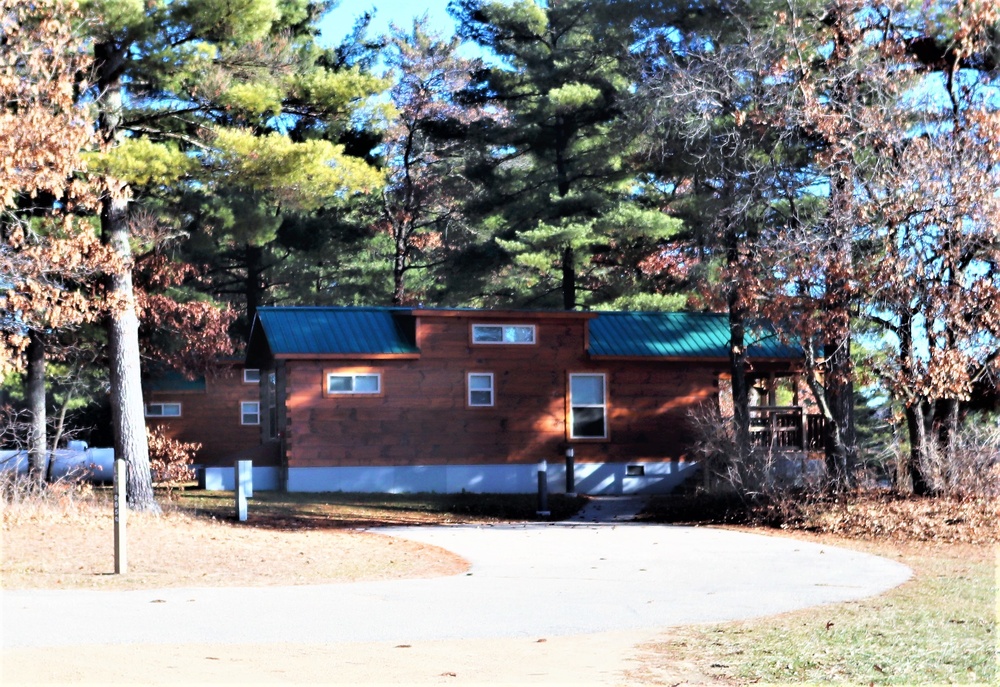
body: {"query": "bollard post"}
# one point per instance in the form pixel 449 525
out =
pixel 121 510
pixel 246 476
pixel 570 477
pixel 543 490
pixel 242 469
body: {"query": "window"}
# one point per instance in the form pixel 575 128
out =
pixel 480 389
pixel 351 383
pixel 163 410
pixel 249 412
pixel 503 333
pixel 587 406
pixel 251 376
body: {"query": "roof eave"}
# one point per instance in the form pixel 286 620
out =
pixel 686 358
pixel 508 314
pixel 347 356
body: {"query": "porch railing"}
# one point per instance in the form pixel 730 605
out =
pixel 786 428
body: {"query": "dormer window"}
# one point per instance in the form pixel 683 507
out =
pixel 503 334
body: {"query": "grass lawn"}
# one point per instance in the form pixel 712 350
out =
pixel 938 628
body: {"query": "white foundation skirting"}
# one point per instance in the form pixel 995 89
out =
pixel 224 479
pixel 591 478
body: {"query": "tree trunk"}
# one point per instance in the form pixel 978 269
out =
pixel 128 422
pixel 34 383
pixel 254 287
pixel 60 427
pixel 737 370
pixel 947 435
pixel 838 384
pixel 840 434
pixel 127 417
pixel 833 434
pixel 920 451
pixel 568 279
pixel 399 266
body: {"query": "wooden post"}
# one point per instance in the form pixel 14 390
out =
pixel 804 430
pixel 121 510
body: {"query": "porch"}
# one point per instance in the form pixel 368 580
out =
pixel 786 428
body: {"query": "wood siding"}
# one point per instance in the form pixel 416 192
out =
pixel 212 418
pixel 421 416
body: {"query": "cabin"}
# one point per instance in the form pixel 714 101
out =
pixel 451 400
pixel 221 411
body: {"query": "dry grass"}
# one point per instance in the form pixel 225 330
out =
pixel 892 517
pixel 66 541
pixel 866 515
pixel 62 537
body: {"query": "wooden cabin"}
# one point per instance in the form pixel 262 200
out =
pixel 222 412
pixel 446 400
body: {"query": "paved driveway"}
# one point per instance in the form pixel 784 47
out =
pixel 525 581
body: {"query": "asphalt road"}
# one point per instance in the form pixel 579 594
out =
pixel 526 581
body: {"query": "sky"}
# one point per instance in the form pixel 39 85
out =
pixel 338 23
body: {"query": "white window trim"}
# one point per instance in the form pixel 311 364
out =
pixel 503 341
pixel 248 371
pixel 146 409
pixel 244 413
pixel 354 376
pixel 603 406
pixel 469 390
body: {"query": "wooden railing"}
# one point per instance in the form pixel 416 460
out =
pixel 786 428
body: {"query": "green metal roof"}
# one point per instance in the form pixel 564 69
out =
pixel 677 335
pixel 171 380
pixel 342 331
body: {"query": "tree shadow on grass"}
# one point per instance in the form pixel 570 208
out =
pixel 277 511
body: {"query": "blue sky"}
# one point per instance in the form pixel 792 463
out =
pixel 338 23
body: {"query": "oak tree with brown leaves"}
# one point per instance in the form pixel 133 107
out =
pixel 421 205
pixel 932 218
pixel 50 254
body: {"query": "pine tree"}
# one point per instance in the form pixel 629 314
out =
pixel 203 94
pixel 558 194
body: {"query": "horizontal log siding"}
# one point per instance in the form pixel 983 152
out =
pixel 422 417
pixel 211 417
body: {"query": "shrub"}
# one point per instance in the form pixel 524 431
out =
pixel 771 488
pixel 26 500
pixel 971 469
pixel 170 460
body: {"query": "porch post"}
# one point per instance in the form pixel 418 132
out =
pixel 804 436
pixel 543 490
pixel 570 476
